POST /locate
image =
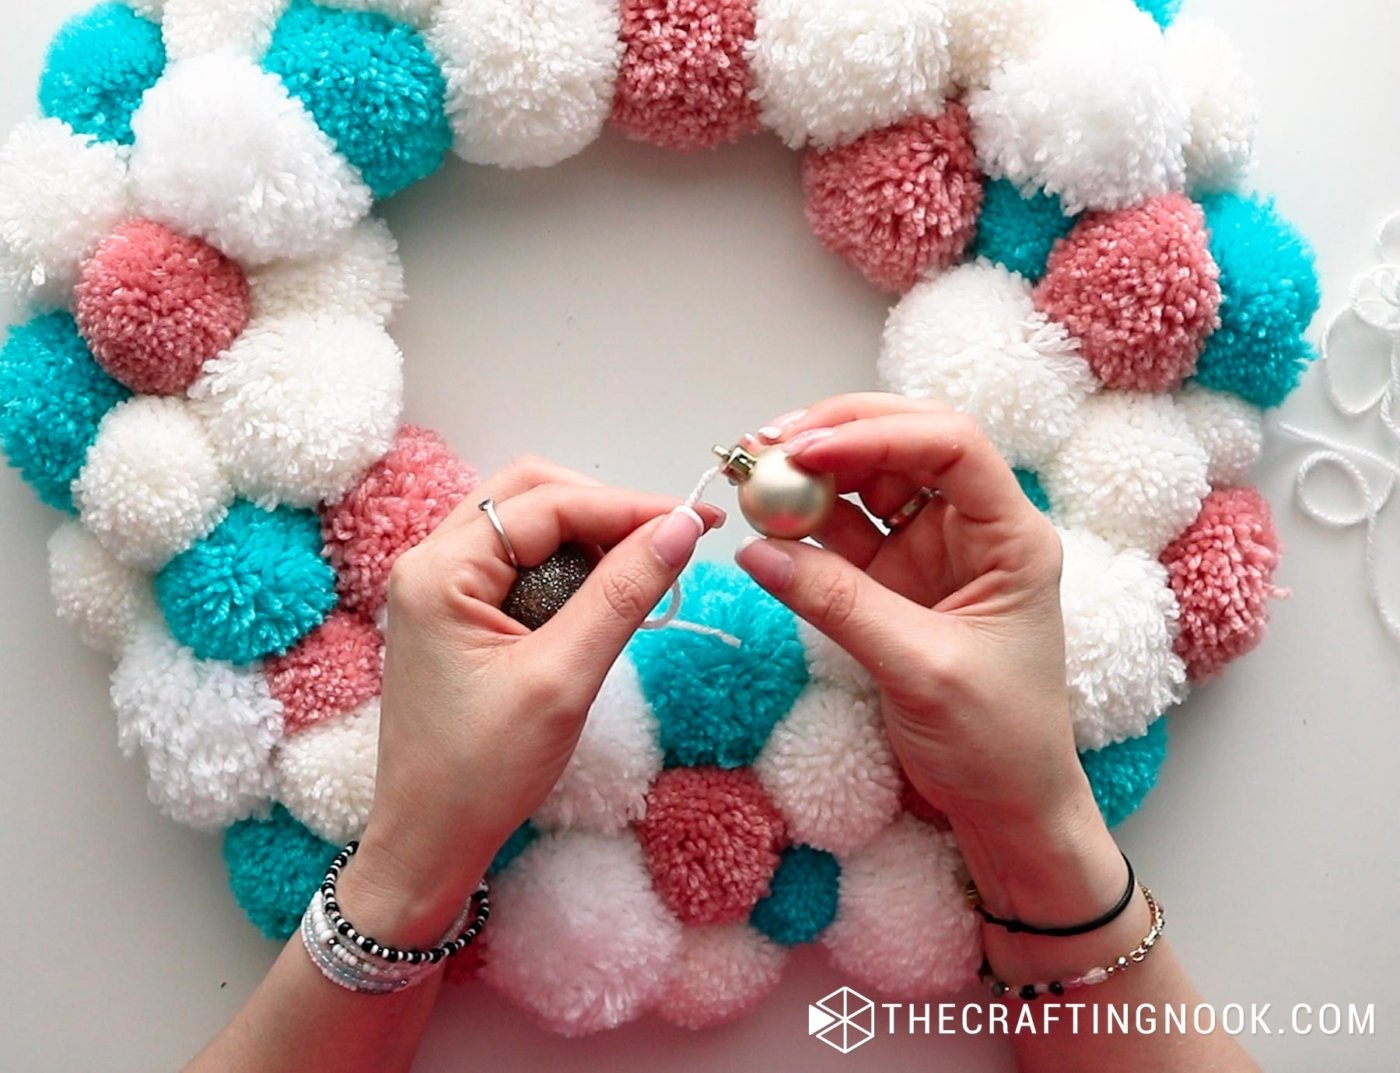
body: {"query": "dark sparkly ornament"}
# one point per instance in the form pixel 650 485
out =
pixel 541 591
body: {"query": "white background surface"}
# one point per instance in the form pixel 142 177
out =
pixel 621 313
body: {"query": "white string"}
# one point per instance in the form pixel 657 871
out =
pixel 1375 302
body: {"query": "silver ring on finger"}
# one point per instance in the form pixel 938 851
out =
pixel 489 507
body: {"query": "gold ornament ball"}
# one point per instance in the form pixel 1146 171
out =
pixel 779 498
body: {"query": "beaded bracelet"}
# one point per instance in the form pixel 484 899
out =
pixel 360 963
pixel 1092 976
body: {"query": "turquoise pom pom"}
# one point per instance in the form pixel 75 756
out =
pixel 253 587
pixel 1123 774
pixel 1270 294
pixel 274 867
pixel 53 395
pixel 99 67
pixel 371 84
pixel 1164 11
pixel 802 898
pixel 518 842
pixel 716 704
pixel 1029 481
pixel 1018 232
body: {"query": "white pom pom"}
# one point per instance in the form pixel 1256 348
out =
pixel 829 663
pixel 829 768
pixel 528 84
pixel 1221 97
pixel 828 71
pixel 60 194
pixel 325 774
pixel 578 934
pixel 207 730
pixel 984 35
pixel 1092 116
pixel 298 408
pixel 240 27
pixel 103 600
pixel 1120 629
pixel 604 787
pixel 1230 430
pixel 904 926
pixel 1133 473
pixel 358 275
pixel 722 972
pixel 151 485
pixel 972 338
pixel 224 152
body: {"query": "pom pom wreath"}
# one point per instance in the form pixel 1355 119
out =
pixel 717 704
pixel 803 897
pixel 333 670
pixel 1162 11
pixel 1029 481
pixel 207 730
pixel 241 27
pixel 1093 116
pixel 253 587
pixel 1133 473
pixel 396 505
pixel 897 202
pixel 531 84
pixel 1121 623
pixel 99 66
pixel 1222 572
pixel 684 82
pixel 830 664
pixel 985 35
pixel 60 193
pixel 224 152
pixel 830 769
pixel 360 275
pixel 274 867
pixel 1229 429
pixel 1221 97
pixel 973 339
pixel 53 396
pixel 604 787
pixel 721 972
pixel 103 600
pixel 584 956
pixel 828 71
pixel 904 926
pixel 1139 290
pixel 519 841
pixel 372 85
pixel 1018 231
pixel 1122 775
pixel 154 306
pixel 1269 281
pixel 711 839
pixel 299 408
pixel 151 485
pixel 325 775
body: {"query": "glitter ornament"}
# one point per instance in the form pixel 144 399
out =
pixel 540 592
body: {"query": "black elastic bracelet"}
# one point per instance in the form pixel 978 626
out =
pixel 1016 927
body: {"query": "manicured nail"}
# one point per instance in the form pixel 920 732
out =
pixel 804 440
pixel 775 428
pixel 766 562
pixel 677 536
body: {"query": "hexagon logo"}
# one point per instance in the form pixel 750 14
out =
pixel 844 1019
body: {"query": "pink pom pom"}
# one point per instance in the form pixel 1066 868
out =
pixel 1140 290
pixel 332 671
pixel 155 305
pixel 711 839
pixel 1222 571
pixel 398 502
pixel 684 81
pixel 900 201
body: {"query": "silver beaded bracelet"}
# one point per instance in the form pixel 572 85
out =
pixel 359 963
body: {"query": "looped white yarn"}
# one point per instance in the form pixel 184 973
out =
pixel 1375 302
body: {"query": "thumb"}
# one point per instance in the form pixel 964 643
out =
pixel 862 616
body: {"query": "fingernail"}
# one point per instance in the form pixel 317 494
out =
pixel 766 563
pixel 677 536
pixel 804 440
pixel 775 428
